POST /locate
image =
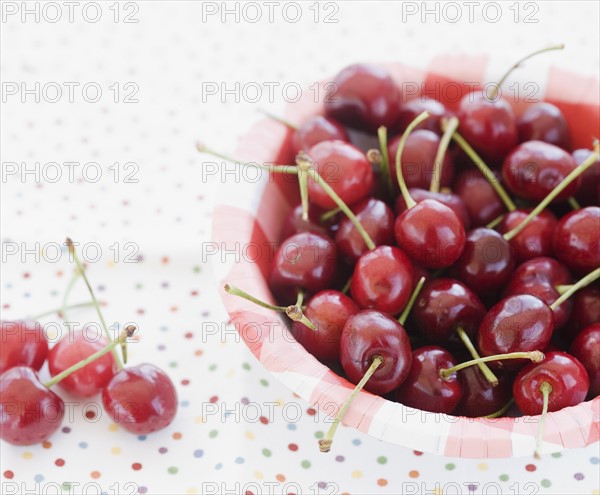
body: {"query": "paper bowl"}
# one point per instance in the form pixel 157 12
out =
pixel 246 227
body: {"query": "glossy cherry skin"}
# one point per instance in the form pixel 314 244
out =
pixel 533 169
pixel 376 218
pixel 542 270
pixel 294 223
pixel 22 343
pixel 316 130
pixel 443 305
pixel 29 412
pixel 586 310
pixel 328 310
pixel 418 160
pixel 544 122
pixel 586 348
pixel 410 110
pixel 567 376
pixel 577 239
pixel 488 126
pixel 141 399
pixel 370 333
pixel 365 98
pixel 452 201
pixel 481 201
pixel 588 193
pixel 383 280
pixel 424 388
pixel 431 234
pixel 535 240
pixel 74 347
pixel 306 260
pixel 479 397
pixel 345 168
pixel 486 262
pixel 515 324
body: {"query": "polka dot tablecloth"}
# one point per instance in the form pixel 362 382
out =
pixel 100 117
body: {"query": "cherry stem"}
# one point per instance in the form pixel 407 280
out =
pixel 304 164
pixel 484 169
pixel 485 369
pixel 314 175
pixel 408 199
pixel 503 79
pixel 66 296
pixel 81 270
pixel 328 215
pixel 552 194
pixel 281 120
pixel 411 301
pixel 436 178
pixel 535 356
pixel 573 203
pixel 502 410
pixel 561 289
pixel 282 169
pixel 325 443
pixel 494 223
pixel 127 332
pixel 385 161
pixel 546 390
pixel 61 310
pixel 587 280
pixel 346 287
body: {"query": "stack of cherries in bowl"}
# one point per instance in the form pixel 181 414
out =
pixel 450 264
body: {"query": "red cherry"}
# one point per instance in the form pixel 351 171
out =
pixel 452 201
pixel 383 280
pixel 577 239
pixel 370 333
pixel 142 399
pixel 424 389
pixel 294 223
pixel 23 343
pixel 586 348
pixel 542 270
pixel 479 397
pixel 29 412
pixel 365 98
pixel 328 310
pixel 410 110
pixel 481 201
pixel 518 323
pixel 533 169
pixel 488 126
pixel 376 218
pixel 544 122
pixel 586 310
pixel 565 374
pixel 345 168
pixel 588 193
pixel 315 130
pixel 75 347
pixel 533 241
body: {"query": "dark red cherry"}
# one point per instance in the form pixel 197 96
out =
pixel 533 241
pixel 488 126
pixel 577 239
pixel 75 347
pixel 306 260
pixel 424 388
pixel 315 130
pixel 365 98
pixel 586 310
pixel 345 168
pixel 479 397
pixel 141 399
pixel 22 343
pixel 443 305
pixel 410 110
pixel 481 201
pixel 486 262
pixel 376 218
pixel 533 169
pixel 382 280
pixel 586 348
pixel 328 311
pixel 542 270
pixel 565 374
pixel 544 122
pixel 518 323
pixel 370 333
pixel 452 201
pixel 29 412
pixel 588 193
pixel 294 223
pixel 418 160
pixel 431 234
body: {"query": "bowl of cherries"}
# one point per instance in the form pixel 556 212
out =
pixel 425 269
